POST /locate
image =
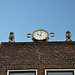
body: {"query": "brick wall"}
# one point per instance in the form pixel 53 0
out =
pixel 40 56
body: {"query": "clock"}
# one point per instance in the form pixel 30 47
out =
pixel 40 35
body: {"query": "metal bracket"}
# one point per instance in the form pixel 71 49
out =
pixel 52 34
pixel 28 35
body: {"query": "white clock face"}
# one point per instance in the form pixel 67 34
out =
pixel 40 34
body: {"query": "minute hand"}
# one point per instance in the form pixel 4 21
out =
pixel 40 34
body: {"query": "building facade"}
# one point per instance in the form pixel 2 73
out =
pixel 37 58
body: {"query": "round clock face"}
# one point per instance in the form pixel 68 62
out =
pixel 40 34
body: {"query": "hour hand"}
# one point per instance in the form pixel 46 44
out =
pixel 37 34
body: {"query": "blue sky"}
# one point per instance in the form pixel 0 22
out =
pixel 26 16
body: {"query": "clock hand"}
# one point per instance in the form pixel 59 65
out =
pixel 37 34
pixel 40 34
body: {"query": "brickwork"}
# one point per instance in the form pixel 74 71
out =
pixel 40 56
